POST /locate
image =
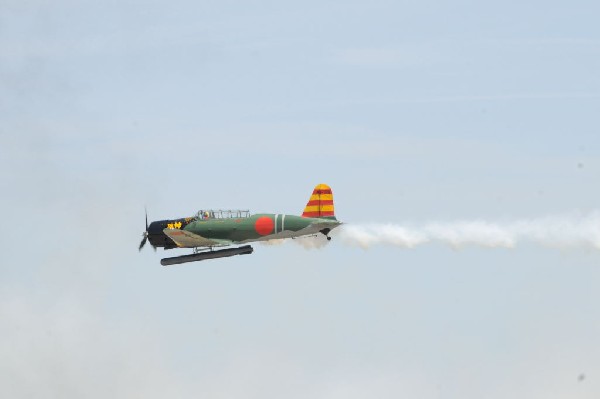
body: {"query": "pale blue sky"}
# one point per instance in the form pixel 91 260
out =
pixel 411 111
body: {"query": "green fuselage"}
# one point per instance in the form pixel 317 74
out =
pixel 229 231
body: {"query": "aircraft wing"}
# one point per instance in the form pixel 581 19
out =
pixel 185 239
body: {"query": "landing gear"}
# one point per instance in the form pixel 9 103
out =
pixel 201 250
pixel 325 232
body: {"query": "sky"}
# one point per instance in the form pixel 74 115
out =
pixel 413 112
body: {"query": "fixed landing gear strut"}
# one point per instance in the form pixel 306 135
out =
pixel 325 232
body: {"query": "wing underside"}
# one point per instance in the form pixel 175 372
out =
pixel 185 239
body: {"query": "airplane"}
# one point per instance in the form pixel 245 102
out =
pixel 210 229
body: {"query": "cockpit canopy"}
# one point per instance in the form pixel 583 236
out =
pixel 204 214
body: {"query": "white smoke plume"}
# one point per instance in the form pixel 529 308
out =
pixel 307 242
pixel 312 242
pixel 273 242
pixel 565 231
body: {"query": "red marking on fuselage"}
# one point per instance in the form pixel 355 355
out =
pixel 264 225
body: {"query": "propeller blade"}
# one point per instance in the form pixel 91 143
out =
pixel 145 232
pixel 143 242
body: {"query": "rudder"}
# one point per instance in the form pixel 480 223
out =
pixel 320 204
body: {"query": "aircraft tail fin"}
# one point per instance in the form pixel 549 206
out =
pixel 320 204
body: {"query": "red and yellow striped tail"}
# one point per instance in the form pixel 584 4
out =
pixel 320 204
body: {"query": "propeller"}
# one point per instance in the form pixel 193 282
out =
pixel 145 234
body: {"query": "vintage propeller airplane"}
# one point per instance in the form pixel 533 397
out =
pixel 209 229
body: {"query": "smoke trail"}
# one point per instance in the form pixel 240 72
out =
pixel 307 242
pixel 312 242
pixel 273 242
pixel 566 231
